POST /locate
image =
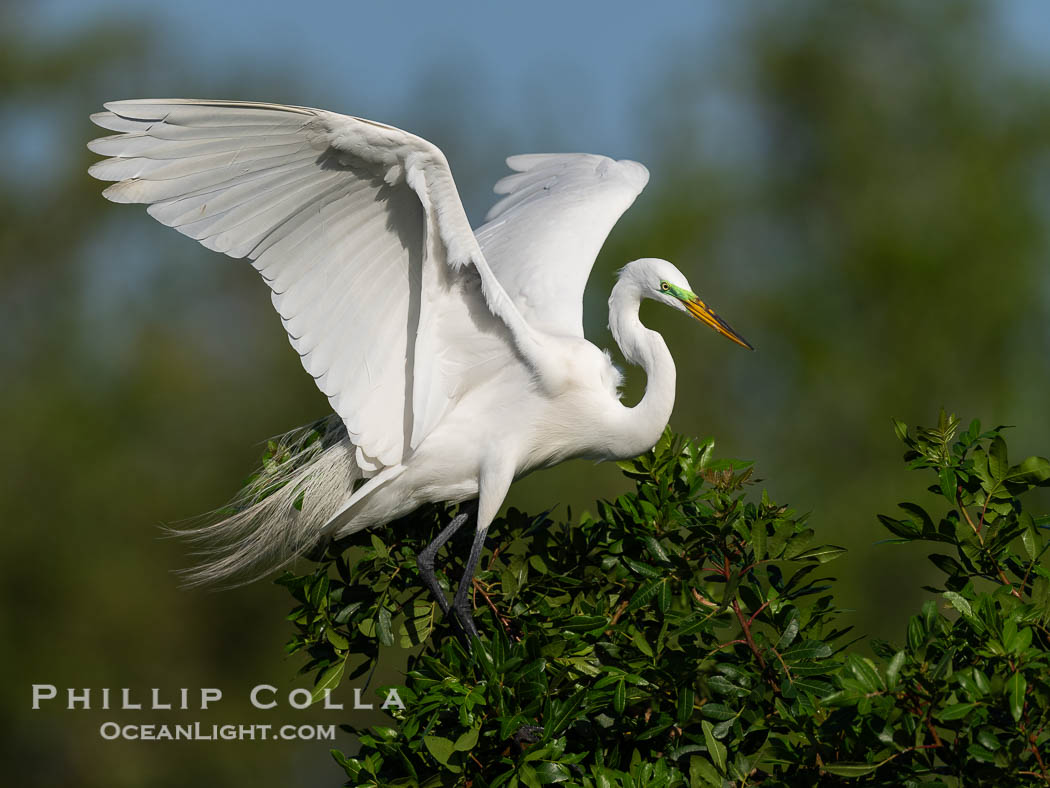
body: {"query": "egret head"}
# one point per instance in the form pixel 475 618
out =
pixel 661 281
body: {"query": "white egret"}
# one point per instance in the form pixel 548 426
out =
pixel 454 360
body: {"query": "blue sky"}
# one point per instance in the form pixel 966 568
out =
pixel 564 72
pixel 585 62
pixel 549 74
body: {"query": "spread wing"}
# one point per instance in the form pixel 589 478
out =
pixel 357 228
pixel 542 238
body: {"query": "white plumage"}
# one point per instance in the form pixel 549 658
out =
pixel 455 360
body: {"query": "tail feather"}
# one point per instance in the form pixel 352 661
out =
pixel 280 514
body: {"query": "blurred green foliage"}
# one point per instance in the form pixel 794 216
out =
pixel 866 201
pixel 859 188
pixel 685 637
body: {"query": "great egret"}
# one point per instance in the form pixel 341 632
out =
pixel 455 360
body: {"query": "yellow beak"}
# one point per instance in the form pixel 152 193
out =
pixel 706 314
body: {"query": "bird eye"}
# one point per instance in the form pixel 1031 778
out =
pixel 664 286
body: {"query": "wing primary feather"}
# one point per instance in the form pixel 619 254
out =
pixel 344 219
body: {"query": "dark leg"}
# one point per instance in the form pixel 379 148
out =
pixel 425 560
pixel 461 602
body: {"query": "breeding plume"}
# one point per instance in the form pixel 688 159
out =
pixel 454 360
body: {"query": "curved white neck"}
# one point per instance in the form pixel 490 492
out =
pixel 644 423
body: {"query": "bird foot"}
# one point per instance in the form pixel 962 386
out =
pixel 464 617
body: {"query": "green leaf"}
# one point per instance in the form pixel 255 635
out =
pixel 988 739
pixel 655 548
pixel 812 686
pixel 641 643
pixel 723 686
pixel 901 429
pixel 550 772
pixel 798 543
pixel 645 595
pixel 467 740
pixel 1041 595
pixel 947 564
pixel 949 483
pixel 717 711
pixel 379 547
pixel 969 684
pixel 997 462
pixel 702 773
pixel 329 679
pixel 981 753
pixel 565 712
pixel 916 633
pixel 902 528
pixel 686 699
pixel 715 748
pixel 527 775
pixel 620 697
pixel 441 748
pixel 586 624
pixel 537 563
pixel 1030 537
pixel 383 626
pixel 810 649
pixel 866 673
pixel 348 764
pixel 1023 640
pixel 337 640
pixel 417 629
pixel 1033 471
pixel 1009 634
pixel 663 596
pixel 822 554
pixel 959 602
pixel 790 631
pixel 850 769
pixel 956 711
pixel 894 668
pixel 643 569
pixel 981 680
pixel 1015 691
pixel 758 539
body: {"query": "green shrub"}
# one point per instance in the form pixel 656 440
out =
pixel 688 635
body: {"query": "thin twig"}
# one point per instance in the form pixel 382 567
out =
pixel 619 612
pixel 704 600
pixel 503 622
pixel 763 606
pixel 747 634
pixel 977 530
pixel 966 514
pixel 1032 739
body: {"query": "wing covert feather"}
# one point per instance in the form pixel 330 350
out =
pixel 541 239
pixel 356 227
